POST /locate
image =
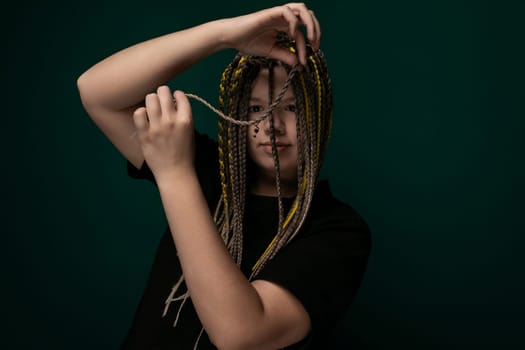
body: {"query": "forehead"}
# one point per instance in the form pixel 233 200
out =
pixel 260 83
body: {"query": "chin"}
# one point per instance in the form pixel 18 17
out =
pixel 286 175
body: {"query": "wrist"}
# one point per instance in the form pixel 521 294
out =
pixel 219 30
pixel 175 177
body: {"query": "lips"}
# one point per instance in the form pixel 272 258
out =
pixel 279 146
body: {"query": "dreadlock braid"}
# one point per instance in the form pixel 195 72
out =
pixel 314 107
pixel 313 94
pixel 275 155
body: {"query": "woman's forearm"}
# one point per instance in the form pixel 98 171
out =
pixel 124 78
pixel 226 302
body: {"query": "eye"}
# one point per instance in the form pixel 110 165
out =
pixel 254 109
pixel 291 108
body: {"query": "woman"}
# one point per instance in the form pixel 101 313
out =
pixel 258 253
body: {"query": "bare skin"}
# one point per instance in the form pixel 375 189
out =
pixel 236 313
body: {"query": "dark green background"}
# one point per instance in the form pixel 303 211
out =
pixel 427 145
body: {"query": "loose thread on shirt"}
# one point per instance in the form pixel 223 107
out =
pixel 198 339
pixel 169 299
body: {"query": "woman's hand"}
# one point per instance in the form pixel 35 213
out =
pixel 255 33
pixel 166 134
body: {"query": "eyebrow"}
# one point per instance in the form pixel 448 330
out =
pixel 257 99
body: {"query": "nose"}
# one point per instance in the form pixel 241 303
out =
pixel 278 123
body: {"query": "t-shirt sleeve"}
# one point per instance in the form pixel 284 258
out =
pixel 324 267
pixel 142 173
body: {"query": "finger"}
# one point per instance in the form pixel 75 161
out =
pixel 140 119
pixel 317 41
pixel 183 107
pixel 167 104
pixel 153 108
pixel 300 43
pixel 292 20
pixel 175 94
pixel 305 16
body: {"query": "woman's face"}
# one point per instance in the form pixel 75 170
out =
pixel 284 121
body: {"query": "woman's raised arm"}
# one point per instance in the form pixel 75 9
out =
pixel 112 89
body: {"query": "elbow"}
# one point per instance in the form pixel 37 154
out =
pixel 258 339
pixel 225 341
pixel 82 87
pixel 241 341
pixel 233 339
pixel 81 82
pixel 86 92
pixel 222 343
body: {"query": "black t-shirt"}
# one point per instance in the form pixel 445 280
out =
pixel 322 267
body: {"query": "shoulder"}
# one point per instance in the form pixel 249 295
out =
pixel 330 216
pixel 206 154
pixel 204 141
pixel 326 203
pixel 328 257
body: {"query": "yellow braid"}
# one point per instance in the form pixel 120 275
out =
pixel 222 174
pixel 318 104
pixel 306 106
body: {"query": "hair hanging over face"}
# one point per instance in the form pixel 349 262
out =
pixel 313 93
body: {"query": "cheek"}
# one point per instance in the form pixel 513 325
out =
pixel 250 141
pixel 292 132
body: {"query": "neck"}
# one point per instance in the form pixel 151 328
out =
pixel 266 186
